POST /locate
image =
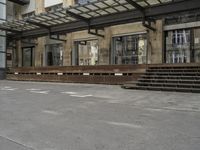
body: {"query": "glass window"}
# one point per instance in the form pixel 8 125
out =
pixel 129 49
pixel 3 11
pixel 2 51
pixel 2 60
pixel 2 44
pixel 197 45
pixel 54 55
pixel 27 56
pixel 3 1
pixel 87 52
pixel 178 46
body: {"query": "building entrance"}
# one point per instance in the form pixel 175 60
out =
pixel 27 56
pixel 182 46
pixel 86 53
pixel 130 49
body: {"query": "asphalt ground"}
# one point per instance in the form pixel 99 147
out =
pixel 56 116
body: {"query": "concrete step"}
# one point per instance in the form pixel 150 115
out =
pixel 170 77
pixel 160 88
pixel 173 70
pixel 172 85
pixel 169 81
pixel 174 73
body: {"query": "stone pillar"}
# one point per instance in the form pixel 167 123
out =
pixel 68 3
pixel 67 55
pixel 155 43
pixel 68 45
pixel 39 51
pixel 18 54
pixel 105 47
pixel 40 47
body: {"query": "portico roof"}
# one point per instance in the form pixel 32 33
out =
pixel 95 14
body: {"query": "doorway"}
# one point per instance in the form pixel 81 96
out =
pixel 86 53
pixel 182 46
pixel 27 56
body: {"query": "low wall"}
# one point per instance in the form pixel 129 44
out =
pixel 110 74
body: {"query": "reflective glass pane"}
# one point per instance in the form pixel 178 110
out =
pixel 2 1
pixel 178 46
pixel 87 52
pixel 2 11
pixel 2 60
pixel 54 55
pixel 129 49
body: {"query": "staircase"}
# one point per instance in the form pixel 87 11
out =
pixel 168 78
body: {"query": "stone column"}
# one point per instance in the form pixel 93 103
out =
pixel 40 47
pixel 155 43
pixel 18 54
pixel 105 47
pixel 67 54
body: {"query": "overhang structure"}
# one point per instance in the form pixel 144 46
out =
pixel 95 15
pixel 20 2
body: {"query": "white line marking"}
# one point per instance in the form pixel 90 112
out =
pixel 72 93
pixel 33 89
pixel 86 74
pixel 123 124
pixel 51 112
pixel 40 92
pixel 118 74
pixel 81 96
pixel 59 74
pixel 8 89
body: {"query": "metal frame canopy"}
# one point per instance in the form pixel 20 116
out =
pixel 20 2
pixel 96 14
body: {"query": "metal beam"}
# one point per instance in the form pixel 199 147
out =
pixel 20 2
pixel 56 38
pixel 142 10
pixel 73 15
pixel 156 12
pixel 38 24
pixel 10 30
pixel 136 5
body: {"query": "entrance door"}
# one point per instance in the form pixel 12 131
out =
pixel 178 46
pixel 27 56
pixel 130 49
pixel 196 45
pixel 86 53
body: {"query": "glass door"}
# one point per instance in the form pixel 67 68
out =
pixel 178 46
pixel 196 45
pixel 86 53
pixel 130 49
pixel 27 57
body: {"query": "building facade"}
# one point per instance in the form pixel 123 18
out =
pixel 124 44
pixel 129 43
pixel 2 40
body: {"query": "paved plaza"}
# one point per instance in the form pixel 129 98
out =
pixel 56 116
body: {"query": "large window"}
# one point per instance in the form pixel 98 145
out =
pixel 27 56
pixel 129 49
pixel 54 55
pixel 178 44
pixel 2 34
pixel 86 53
